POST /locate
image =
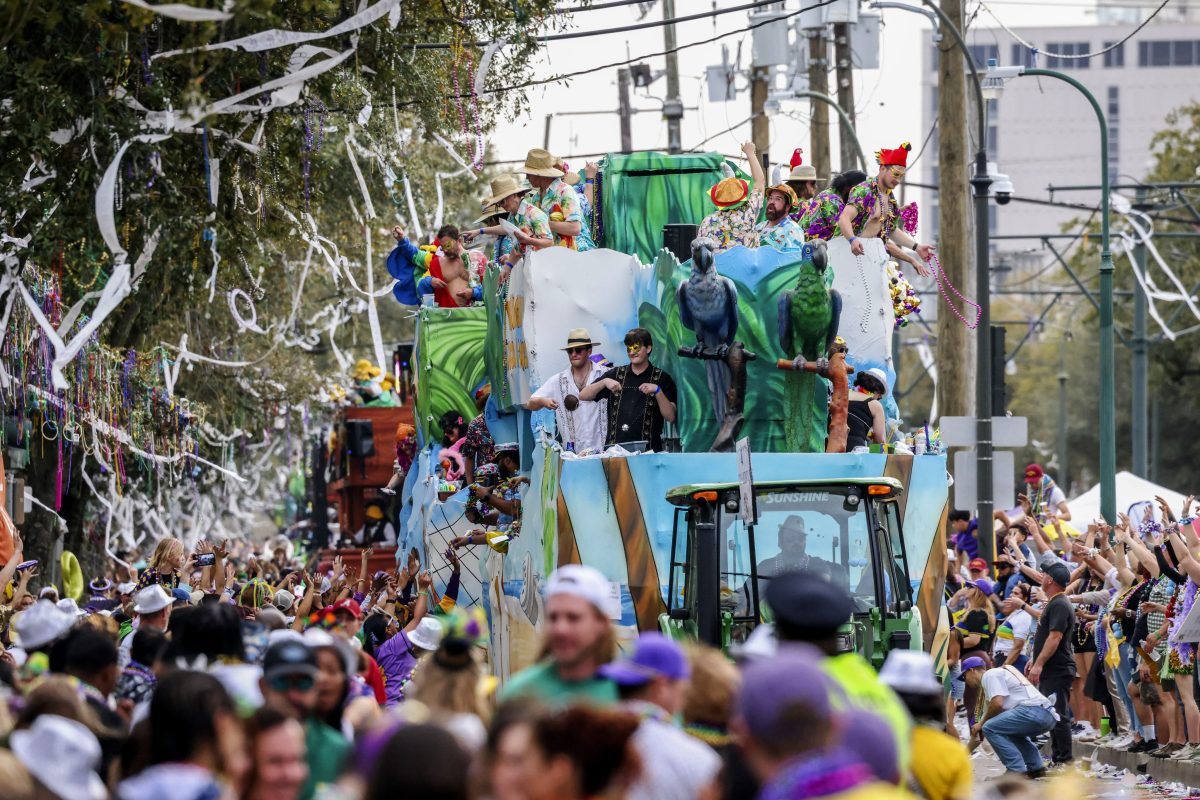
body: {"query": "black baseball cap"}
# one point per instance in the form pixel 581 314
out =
pixel 1059 573
pixel 289 658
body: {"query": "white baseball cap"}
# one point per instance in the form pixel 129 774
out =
pixel 910 671
pixel 152 599
pixel 284 600
pixel 588 583
pixel 41 623
pixel 63 755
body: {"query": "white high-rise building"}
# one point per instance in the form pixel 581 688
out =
pixel 1043 133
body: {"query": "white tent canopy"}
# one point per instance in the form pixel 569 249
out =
pixel 1130 490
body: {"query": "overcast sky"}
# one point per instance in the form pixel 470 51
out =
pixel 887 100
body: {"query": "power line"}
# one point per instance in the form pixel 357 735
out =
pixel 1110 48
pixel 637 26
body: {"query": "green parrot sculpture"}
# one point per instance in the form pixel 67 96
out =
pixel 808 326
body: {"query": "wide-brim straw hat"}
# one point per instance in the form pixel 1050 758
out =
pixel 729 192
pixel 489 211
pixel 503 187
pixel 579 337
pixel 539 162
pixel 804 172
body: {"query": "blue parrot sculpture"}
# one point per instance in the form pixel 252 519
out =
pixel 808 326
pixel 708 306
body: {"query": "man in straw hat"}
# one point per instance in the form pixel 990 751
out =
pixel 803 180
pixel 581 425
pixel 531 223
pixel 779 230
pixel 554 194
pixel 737 207
pixel 871 211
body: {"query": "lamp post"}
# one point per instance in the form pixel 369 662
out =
pixel 996 76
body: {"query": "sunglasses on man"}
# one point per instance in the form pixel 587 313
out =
pixel 576 350
pixel 300 681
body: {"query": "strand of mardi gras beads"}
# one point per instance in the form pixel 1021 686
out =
pixel 943 282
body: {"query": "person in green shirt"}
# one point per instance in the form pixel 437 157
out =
pixel 579 639
pixel 809 610
pixel 290 681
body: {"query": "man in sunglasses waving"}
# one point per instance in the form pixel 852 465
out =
pixel 289 682
pixel 581 426
pixel 641 396
pixel 872 212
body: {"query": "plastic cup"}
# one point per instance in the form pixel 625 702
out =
pixel 1105 726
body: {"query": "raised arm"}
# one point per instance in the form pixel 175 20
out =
pixel 424 583
pixel 10 569
pixel 756 170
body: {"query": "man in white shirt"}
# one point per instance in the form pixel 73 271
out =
pixel 581 423
pixel 653 683
pixel 1016 713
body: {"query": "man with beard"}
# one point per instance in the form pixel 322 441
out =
pixel 779 230
pixel 581 426
pixel 871 211
pixel 579 639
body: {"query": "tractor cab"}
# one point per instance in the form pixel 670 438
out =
pixel 846 530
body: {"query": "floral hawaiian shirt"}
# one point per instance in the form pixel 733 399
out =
pixel 786 237
pixel 561 203
pixel 533 221
pixel 729 227
pixel 864 196
pixel 479 443
pixel 819 220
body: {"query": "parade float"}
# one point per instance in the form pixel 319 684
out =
pixel 665 527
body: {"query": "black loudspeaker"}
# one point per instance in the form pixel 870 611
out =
pixel 677 237
pixel 360 438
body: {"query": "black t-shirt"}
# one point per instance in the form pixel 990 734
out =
pixel 1059 615
pixel 631 414
pixel 977 622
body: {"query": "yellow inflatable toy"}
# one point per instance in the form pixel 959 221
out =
pixel 72 576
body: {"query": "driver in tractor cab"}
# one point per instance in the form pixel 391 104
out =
pixel 793 556
pixel 808 610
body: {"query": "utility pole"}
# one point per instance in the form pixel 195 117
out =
pixel 818 81
pixel 1064 474
pixel 845 91
pixel 546 135
pixel 953 349
pixel 624 109
pixel 672 106
pixel 1139 376
pixel 760 130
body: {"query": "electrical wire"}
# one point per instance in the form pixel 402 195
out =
pixel 1111 47
pixel 637 26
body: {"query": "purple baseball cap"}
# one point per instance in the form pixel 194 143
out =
pixel 654 656
pixel 983 585
pixel 870 737
pixel 773 688
pixel 974 662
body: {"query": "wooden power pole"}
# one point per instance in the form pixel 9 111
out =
pixel 624 109
pixel 760 129
pixel 953 356
pixel 818 81
pixel 845 93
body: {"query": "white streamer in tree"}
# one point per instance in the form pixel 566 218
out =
pixel 182 11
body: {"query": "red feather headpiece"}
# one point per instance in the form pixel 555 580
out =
pixel 894 158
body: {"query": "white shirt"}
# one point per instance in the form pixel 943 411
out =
pixel 587 425
pixel 1014 687
pixel 1015 626
pixel 675 766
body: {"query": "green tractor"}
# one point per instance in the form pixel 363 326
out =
pixel 846 529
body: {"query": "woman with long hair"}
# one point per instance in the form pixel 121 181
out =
pixel 164 566
pixel 977 629
pixel 344 701
pixel 450 682
pixel 275 742
pixel 582 752
pixel 864 413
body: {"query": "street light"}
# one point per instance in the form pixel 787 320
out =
pixel 1108 412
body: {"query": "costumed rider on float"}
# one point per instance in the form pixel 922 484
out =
pixel 503 500
pixel 871 212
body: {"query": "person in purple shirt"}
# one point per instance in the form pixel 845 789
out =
pixel 399 655
pixel 966 534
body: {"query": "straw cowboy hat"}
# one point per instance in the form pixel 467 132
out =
pixel 504 186
pixel 579 337
pixel 539 162
pixel 803 172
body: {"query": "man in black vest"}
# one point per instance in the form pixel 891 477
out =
pixel 641 396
